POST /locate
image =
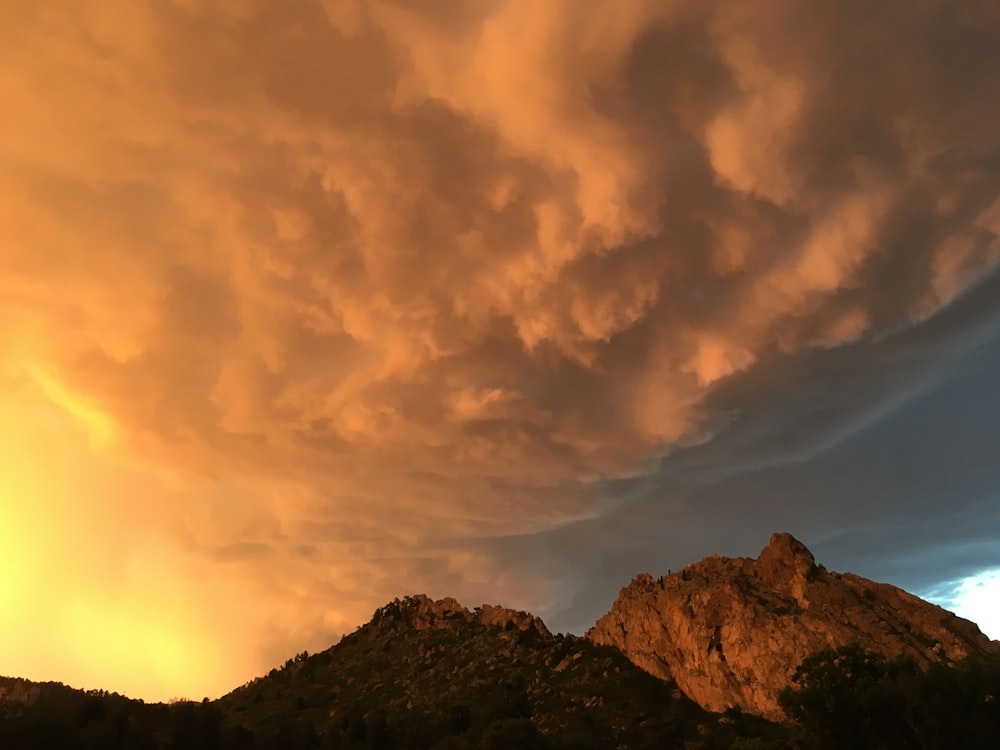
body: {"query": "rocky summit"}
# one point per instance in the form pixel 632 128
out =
pixel 731 631
pixel 431 673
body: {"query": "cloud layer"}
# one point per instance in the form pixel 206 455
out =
pixel 371 291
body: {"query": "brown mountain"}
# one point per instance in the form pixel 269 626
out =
pixel 731 631
pixel 433 675
pixel 429 673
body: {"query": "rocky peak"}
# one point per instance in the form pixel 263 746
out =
pixel 787 565
pixel 731 631
pixel 503 617
pixel 785 552
pixel 420 612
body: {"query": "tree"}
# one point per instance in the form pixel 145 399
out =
pixel 843 698
pixel 852 698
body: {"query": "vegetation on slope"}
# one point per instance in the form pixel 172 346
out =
pixel 464 684
pixel 424 677
pixel 848 698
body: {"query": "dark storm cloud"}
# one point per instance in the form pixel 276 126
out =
pixel 880 456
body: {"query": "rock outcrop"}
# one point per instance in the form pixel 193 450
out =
pixel 16 693
pixel 423 613
pixel 731 631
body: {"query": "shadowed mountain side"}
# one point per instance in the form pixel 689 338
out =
pixel 732 631
pixel 422 670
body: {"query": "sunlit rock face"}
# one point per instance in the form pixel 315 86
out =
pixel 731 631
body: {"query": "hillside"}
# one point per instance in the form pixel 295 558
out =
pixel 421 674
pixel 424 672
pixel 825 659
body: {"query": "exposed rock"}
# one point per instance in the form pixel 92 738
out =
pixel 17 692
pixel 731 631
pixel 489 614
pixel 422 613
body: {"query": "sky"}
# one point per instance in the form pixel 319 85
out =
pixel 309 304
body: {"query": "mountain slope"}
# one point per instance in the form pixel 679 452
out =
pixel 731 631
pixel 424 671
pixel 433 675
pixel 421 675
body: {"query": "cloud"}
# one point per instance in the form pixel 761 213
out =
pixel 401 284
pixel 876 455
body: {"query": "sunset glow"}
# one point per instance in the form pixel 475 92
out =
pixel 306 306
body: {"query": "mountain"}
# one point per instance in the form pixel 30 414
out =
pixel 732 631
pixel 425 673
pixel 834 660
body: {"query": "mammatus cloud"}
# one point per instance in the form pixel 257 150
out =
pixel 362 286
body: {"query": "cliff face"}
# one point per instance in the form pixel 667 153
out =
pixel 732 631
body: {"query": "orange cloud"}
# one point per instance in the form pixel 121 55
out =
pixel 355 283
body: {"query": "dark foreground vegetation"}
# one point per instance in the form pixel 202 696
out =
pixel 467 686
pixel 851 698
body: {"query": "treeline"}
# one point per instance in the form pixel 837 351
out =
pixel 64 719
pixel 853 699
pixel 59 717
pixel 839 699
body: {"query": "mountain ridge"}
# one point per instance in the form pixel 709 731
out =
pixel 732 631
pixel 700 658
